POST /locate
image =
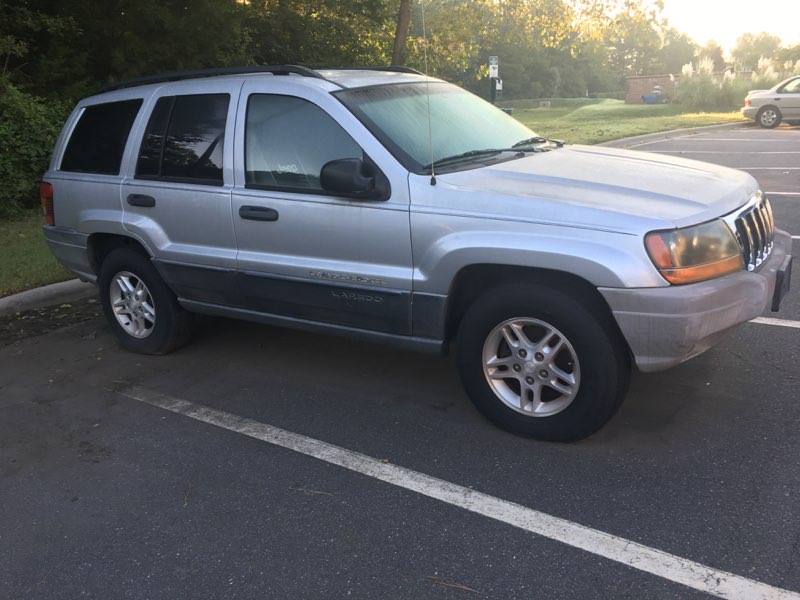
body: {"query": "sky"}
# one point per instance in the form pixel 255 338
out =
pixel 724 20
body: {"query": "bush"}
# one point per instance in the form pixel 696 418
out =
pixel 28 129
pixel 701 90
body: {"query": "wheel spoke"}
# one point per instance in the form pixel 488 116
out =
pixel 149 312
pixel 498 374
pixel 125 284
pixel 508 335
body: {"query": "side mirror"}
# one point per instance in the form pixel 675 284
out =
pixel 352 178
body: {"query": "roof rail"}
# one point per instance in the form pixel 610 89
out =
pixel 201 73
pixel 392 68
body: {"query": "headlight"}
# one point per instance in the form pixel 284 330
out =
pixel 694 253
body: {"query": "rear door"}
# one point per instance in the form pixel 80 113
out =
pixel 315 256
pixel 176 196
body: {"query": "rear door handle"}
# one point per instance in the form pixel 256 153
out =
pixel 141 200
pixel 258 213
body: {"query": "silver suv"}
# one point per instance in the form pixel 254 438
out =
pixel 398 208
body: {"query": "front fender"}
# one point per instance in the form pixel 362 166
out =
pixel 603 259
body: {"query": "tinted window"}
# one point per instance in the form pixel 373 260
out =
pixel 184 139
pixel 288 140
pixel 99 138
pixel 149 162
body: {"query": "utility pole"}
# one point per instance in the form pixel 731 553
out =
pixel 401 33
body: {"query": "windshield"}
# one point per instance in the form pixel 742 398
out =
pixel 460 122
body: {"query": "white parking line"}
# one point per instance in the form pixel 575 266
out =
pixel 777 322
pixel 783 193
pixel 662 564
pixel 718 152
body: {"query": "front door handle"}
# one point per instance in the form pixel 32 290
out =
pixel 141 200
pixel 258 213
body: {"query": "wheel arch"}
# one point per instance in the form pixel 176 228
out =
pixel 99 245
pixel 475 280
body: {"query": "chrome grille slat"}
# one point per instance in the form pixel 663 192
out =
pixel 755 230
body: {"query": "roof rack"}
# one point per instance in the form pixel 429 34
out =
pixel 392 68
pixel 201 73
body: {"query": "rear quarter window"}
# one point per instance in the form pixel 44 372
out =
pixel 98 140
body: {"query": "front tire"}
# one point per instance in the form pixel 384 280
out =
pixel 769 117
pixel 539 362
pixel 142 311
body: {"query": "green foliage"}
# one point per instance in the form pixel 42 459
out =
pixel 28 129
pixel 750 47
pixel 26 261
pixel 701 89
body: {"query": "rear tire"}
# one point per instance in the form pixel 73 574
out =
pixel 594 357
pixel 141 310
pixel 769 117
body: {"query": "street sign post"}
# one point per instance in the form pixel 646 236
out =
pixel 494 76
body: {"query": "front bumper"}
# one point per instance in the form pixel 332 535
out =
pixel 668 325
pixel 750 112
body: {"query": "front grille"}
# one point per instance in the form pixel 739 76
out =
pixel 755 231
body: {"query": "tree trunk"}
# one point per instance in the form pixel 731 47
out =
pixel 401 33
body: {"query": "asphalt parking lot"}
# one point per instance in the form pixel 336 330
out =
pixel 208 473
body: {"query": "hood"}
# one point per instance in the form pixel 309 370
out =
pixel 606 188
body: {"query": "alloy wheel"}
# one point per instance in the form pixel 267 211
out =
pixel 531 366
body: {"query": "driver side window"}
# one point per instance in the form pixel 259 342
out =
pixel 287 142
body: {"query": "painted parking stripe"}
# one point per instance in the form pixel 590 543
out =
pixel 783 194
pixel 662 564
pixel 776 322
pixel 721 152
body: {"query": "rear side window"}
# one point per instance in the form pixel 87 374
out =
pixel 184 139
pixel 99 138
pixel 287 142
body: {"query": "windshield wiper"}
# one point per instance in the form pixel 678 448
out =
pixel 472 154
pixel 537 140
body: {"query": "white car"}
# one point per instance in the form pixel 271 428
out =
pixel 769 107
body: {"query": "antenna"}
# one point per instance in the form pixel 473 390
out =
pixel 427 91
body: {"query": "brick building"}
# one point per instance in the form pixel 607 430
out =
pixel 642 85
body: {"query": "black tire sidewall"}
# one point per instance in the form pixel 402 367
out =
pixel 603 358
pixel 160 339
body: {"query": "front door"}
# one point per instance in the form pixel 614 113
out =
pixel 178 195
pixel 790 100
pixel 302 252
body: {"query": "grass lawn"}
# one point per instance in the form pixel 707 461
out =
pixel 25 259
pixel 589 121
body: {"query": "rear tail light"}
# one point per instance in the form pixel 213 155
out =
pixel 46 198
pixel 748 102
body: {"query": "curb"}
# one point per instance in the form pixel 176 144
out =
pixel 55 293
pixel 665 135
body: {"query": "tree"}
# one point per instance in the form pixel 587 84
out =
pixel 678 50
pixel 401 33
pixel 634 37
pixel 752 46
pixel 713 52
